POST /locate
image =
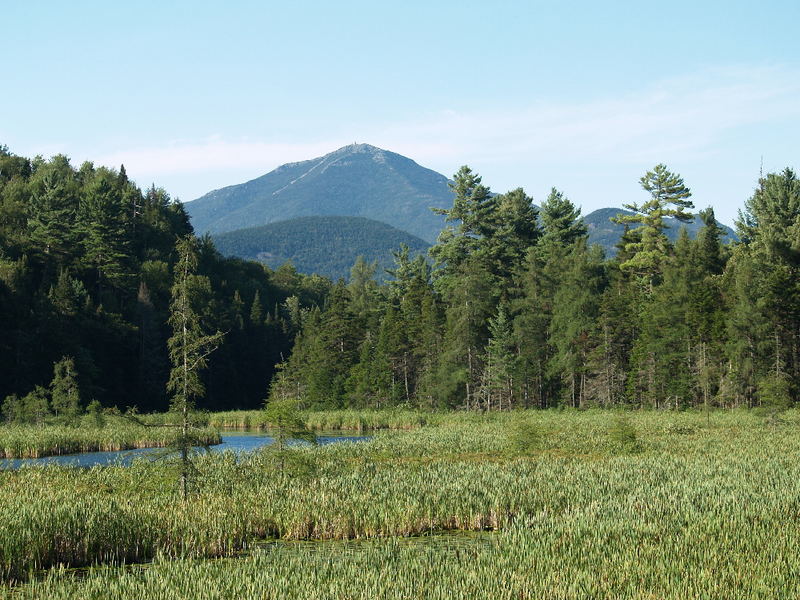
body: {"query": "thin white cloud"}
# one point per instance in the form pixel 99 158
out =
pixel 687 115
pixel 690 117
pixel 213 153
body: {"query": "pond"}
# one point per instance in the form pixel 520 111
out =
pixel 239 441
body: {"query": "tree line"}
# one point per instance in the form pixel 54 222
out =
pixel 518 310
pixel 512 309
pixel 88 262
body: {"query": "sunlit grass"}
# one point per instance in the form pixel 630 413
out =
pixel 33 441
pixel 692 509
pixel 328 420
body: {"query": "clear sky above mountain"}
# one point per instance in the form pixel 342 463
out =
pixel 584 96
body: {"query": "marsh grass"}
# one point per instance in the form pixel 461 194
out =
pixel 33 441
pixel 330 420
pixel 704 510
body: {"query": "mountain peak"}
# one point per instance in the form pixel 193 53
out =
pixel 359 180
pixel 356 148
pixel 379 155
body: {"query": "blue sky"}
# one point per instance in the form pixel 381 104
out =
pixel 583 96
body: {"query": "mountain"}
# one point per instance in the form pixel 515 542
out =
pixel 358 180
pixel 354 181
pixel 323 245
pixel 602 231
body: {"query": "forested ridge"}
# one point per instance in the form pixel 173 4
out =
pixel 86 269
pixel 323 245
pixel 517 309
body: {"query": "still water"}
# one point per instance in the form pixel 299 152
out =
pixel 240 441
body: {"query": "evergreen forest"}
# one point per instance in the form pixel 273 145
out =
pixel 512 309
pixel 87 265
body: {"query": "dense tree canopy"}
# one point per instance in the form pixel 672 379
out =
pixel 520 312
pixel 86 271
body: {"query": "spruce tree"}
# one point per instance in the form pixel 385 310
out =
pixel 561 221
pixel 574 323
pixel 545 267
pixel 467 314
pixel 64 392
pixel 769 261
pixel 331 343
pixel 532 310
pixel 516 229
pixel 497 385
pixel 364 293
pixel 256 311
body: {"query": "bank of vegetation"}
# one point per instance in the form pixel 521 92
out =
pixel 56 440
pixel 331 420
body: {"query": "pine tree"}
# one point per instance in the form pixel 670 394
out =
pixel 669 197
pixel 53 207
pixel 471 219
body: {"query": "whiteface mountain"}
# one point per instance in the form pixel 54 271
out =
pixel 355 181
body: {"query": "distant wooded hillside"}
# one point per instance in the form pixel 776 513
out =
pixel 326 246
pixel 602 231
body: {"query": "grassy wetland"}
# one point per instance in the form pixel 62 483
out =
pixel 329 420
pixel 583 504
